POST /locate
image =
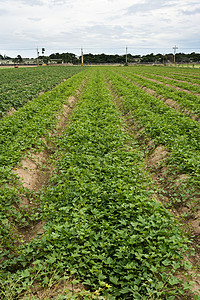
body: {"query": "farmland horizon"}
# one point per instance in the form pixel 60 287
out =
pixel 90 58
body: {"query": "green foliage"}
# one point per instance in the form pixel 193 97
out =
pixel 168 88
pixel 24 84
pixel 24 129
pixel 19 133
pixel 163 124
pixel 102 226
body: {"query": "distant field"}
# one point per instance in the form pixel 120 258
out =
pixel 189 65
pixel 99 177
pixel 23 84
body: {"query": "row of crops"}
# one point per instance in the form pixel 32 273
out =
pixel 21 85
pixel 152 120
pixel 21 133
pixel 188 75
pixel 187 95
pixel 164 124
pixel 103 227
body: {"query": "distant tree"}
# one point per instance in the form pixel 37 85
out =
pixel 149 58
pixel 159 58
pixel 19 58
pixel 64 57
pixel 6 57
pixel 121 59
pixel 182 58
pixel 107 58
pixel 169 57
pixel 194 57
pixel 88 58
pixel 45 59
pixel 54 56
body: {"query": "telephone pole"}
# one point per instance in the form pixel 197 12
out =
pixel 175 48
pixel 37 57
pixel 81 56
pixel 126 55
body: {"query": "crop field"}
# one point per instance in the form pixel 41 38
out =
pixel 21 85
pixel 99 183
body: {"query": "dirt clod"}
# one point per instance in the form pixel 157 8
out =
pixel 158 155
pixel 30 171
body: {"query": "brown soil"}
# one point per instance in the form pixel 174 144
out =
pixel 63 116
pixel 33 231
pixel 157 156
pixel 59 288
pixel 149 91
pixel 71 101
pixel 11 112
pixel 158 169
pixel 172 104
pixel 30 171
pixel 33 173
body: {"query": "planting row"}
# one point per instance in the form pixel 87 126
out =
pixel 23 129
pixel 23 84
pixel 165 126
pixel 188 75
pixel 184 100
pixel 103 227
pixel 21 133
pixel 177 84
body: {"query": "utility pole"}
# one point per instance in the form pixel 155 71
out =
pixel 37 57
pixel 126 55
pixel 81 56
pixel 175 48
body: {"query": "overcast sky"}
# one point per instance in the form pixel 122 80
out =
pixel 99 26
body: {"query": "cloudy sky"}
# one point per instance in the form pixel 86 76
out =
pixel 99 26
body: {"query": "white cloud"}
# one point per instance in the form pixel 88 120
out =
pixel 98 26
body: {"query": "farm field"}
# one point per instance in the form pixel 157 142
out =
pixel 99 182
pixel 21 85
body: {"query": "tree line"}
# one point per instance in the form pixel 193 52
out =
pixel 121 59
pixel 113 58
